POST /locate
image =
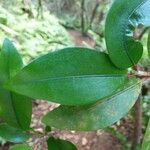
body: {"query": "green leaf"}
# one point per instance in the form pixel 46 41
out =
pixel 12 134
pixel 123 18
pixel 71 76
pixel 58 144
pixel 20 147
pixel 48 129
pixel 148 44
pixel 97 115
pixel 146 141
pixel 15 109
pixel 10 61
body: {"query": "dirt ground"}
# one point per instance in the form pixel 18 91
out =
pixel 97 140
pixel 81 40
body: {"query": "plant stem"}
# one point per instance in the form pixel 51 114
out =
pixel 137 124
pixel 82 16
pixel 40 9
pixel 143 32
pixel 94 13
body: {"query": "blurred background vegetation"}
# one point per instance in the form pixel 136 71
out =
pixel 39 26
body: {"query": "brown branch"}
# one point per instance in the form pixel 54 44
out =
pixel 137 137
pixel 94 13
pixel 82 16
pixel 143 32
pixel 137 124
pixel 142 74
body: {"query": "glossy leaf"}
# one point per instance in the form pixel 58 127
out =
pixel 15 109
pixel 12 134
pixel 98 115
pixel 71 76
pixel 10 61
pixel 20 147
pixel 58 144
pixel 123 18
pixel 146 141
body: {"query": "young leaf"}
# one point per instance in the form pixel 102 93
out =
pixel 12 134
pixel 15 109
pixel 146 141
pixel 20 147
pixel 72 76
pixel 97 115
pixel 58 144
pixel 123 18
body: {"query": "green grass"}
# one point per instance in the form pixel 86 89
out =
pixel 33 37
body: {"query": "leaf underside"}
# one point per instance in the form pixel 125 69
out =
pixel 98 115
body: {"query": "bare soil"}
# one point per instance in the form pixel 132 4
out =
pixel 80 39
pixel 96 140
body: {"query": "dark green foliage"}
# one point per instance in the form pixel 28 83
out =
pixel 58 144
pixel 123 50
pixel 14 109
pixel 12 134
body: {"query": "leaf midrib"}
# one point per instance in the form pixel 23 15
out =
pixel 77 77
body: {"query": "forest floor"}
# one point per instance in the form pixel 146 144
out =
pixel 79 39
pixel 96 140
